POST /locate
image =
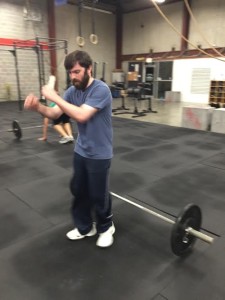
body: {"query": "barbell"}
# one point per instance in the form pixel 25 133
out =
pixel 18 130
pixel 186 227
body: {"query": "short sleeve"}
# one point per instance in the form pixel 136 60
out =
pixel 99 97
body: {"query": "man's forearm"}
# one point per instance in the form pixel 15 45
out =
pixel 78 113
pixel 48 112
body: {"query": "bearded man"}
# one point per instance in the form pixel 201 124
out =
pixel 89 102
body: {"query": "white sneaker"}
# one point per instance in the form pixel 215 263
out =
pixel 76 235
pixel 106 238
pixel 64 140
pixel 71 138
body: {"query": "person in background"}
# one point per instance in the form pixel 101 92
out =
pixel 44 130
pixel 89 102
pixel 61 125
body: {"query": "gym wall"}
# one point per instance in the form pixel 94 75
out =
pixel 15 24
pixel 67 27
pixel 151 31
pixel 142 31
pixel 196 89
pixel 210 17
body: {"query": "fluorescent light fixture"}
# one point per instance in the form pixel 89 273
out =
pixel 148 60
pixel 98 9
pixel 158 1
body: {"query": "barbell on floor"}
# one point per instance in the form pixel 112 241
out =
pixel 185 228
pixel 17 130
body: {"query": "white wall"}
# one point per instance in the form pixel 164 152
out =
pixel 182 77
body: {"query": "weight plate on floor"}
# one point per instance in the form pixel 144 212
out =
pixel 16 129
pixel 181 241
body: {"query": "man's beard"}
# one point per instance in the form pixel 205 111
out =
pixel 81 84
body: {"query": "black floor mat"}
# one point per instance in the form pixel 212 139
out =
pixel 138 265
pixel 163 167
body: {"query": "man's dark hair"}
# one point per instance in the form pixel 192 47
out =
pixel 81 57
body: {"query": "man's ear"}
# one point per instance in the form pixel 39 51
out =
pixel 90 71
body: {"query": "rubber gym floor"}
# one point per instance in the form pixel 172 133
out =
pixel 159 166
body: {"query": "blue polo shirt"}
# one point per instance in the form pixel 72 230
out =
pixel 95 136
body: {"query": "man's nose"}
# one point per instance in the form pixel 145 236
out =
pixel 72 75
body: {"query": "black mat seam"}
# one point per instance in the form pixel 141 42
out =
pixel 161 296
pixel 33 236
pixel 29 206
pixel 212 166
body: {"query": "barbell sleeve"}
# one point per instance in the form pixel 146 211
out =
pixel 204 237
